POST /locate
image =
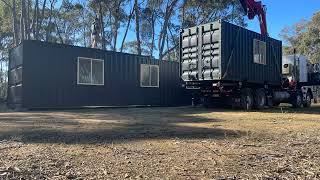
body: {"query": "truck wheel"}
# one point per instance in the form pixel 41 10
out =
pixel 259 99
pixel 246 100
pixel 297 101
pixel 307 103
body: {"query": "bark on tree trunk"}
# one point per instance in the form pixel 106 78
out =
pixel 27 20
pixel 102 39
pixel 183 14
pixel 58 32
pixel 39 20
pixel 116 26
pixel 164 30
pixel 153 33
pixel 138 26
pixel 22 17
pixel 127 29
pixel 14 24
pixel 84 29
pixel 48 32
pixel 36 20
pixel 174 42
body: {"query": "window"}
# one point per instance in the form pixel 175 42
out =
pixel 90 71
pixel 149 75
pixel 259 52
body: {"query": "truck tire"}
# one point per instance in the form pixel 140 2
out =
pixel 297 101
pixel 246 99
pixel 259 99
pixel 307 103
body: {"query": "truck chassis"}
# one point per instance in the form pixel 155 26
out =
pixel 248 96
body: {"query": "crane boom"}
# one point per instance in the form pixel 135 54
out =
pixel 255 8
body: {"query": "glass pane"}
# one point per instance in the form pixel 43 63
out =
pixel 263 52
pixel 154 75
pixel 256 54
pixel 97 72
pixel 84 71
pixel 145 75
pixel 260 50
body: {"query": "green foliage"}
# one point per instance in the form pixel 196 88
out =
pixel 204 11
pixel 5 27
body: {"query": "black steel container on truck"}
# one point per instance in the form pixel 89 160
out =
pixel 47 75
pixel 228 63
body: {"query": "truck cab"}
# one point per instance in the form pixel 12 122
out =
pixel 301 76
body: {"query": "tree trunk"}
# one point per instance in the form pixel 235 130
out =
pixel 164 29
pixel 36 20
pixel 58 32
pixel 27 20
pixel 153 32
pixel 127 28
pixel 84 29
pixel 174 42
pixel 14 24
pixel 116 26
pixel 169 58
pixel 183 14
pixel 103 43
pixel 48 32
pixel 22 22
pixel 137 10
pixel 40 19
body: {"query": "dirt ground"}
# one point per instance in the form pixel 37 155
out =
pixel 160 143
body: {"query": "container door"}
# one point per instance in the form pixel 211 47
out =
pixel 189 54
pixel 210 51
pixel 200 52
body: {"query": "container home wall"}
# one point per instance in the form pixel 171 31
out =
pixel 50 78
pixel 238 56
pixel 15 76
pixel 221 51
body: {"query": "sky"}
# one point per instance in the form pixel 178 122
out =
pixel 282 13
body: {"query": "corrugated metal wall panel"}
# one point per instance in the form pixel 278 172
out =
pixel 237 63
pixel 15 77
pixel 50 79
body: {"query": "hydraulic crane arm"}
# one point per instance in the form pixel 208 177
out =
pixel 255 8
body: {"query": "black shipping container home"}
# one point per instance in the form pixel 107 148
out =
pixel 221 51
pixel 47 75
pixel 225 63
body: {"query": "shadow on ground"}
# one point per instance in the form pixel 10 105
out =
pixel 88 126
pixel 110 125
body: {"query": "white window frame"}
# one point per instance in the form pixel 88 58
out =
pixel 261 60
pixel 158 80
pixel 91 60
